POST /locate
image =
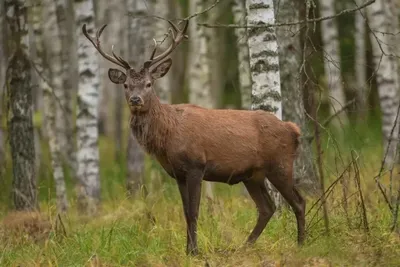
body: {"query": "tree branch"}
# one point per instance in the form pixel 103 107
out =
pixel 343 12
pixel 331 117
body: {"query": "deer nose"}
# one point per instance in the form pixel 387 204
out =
pixel 135 100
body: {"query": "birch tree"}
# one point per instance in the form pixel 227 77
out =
pixel 330 41
pixel 139 32
pixel 360 60
pixel 264 64
pixel 292 94
pixel 199 68
pixel 87 111
pixel 54 99
pixel 387 76
pixel 239 17
pixel 20 125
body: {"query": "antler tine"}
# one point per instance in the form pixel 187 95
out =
pixel 177 36
pixel 154 50
pixel 120 58
pixel 148 63
pixel 96 43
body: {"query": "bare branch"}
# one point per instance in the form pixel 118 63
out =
pixel 343 12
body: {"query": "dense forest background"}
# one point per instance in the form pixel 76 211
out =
pixel 77 189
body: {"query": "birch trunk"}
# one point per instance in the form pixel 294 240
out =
pixel 20 125
pixel 139 32
pixel 387 78
pixel 264 65
pixel 360 61
pixel 55 100
pixel 65 22
pixel 333 76
pixel 292 95
pixel 239 17
pixel 87 111
pixel 199 68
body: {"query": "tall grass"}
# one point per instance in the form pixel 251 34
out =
pixel 123 235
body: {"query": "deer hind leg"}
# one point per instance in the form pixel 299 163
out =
pixel 265 207
pixel 283 182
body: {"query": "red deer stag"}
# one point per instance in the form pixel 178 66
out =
pixel 194 143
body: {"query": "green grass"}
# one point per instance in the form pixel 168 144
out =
pixel 122 234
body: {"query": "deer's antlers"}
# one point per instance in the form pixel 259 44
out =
pixel 96 43
pixel 177 36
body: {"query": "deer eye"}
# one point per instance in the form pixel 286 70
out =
pixel 125 86
pixel 148 85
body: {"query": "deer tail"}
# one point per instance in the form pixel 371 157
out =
pixel 296 132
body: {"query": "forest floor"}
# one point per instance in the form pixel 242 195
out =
pixel 124 233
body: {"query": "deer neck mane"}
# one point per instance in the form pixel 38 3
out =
pixel 153 128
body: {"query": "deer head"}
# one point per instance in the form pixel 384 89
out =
pixel 139 84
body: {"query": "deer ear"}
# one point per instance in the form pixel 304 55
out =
pixel 116 76
pixel 161 69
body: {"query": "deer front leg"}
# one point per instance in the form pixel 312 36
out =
pixel 185 202
pixel 193 183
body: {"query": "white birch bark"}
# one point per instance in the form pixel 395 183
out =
pixel 87 111
pixel 264 65
pixel 139 32
pixel 199 68
pixel 360 60
pixel 292 94
pixel 387 76
pixel 333 76
pixel 65 26
pixel 239 17
pixel 55 100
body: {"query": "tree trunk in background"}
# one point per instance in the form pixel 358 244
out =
pixel 387 78
pixel 199 68
pixel 35 39
pixel 87 112
pixel 139 33
pixel 54 99
pixel 264 65
pixel 361 62
pixel 20 125
pixel 239 17
pixel 292 95
pixel 178 58
pixel 108 14
pixel 163 86
pixel 3 64
pixel 65 22
pixel 121 46
pixel 333 76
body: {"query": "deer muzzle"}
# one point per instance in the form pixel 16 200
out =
pixel 136 101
